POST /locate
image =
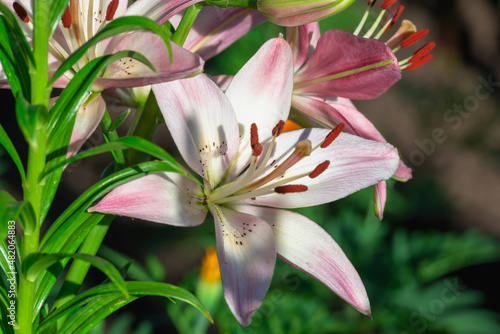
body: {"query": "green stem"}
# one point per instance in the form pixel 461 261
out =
pixel 186 23
pixel 243 3
pixel 146 121
pixel 78 269
pixel 40 94
pixel 111 135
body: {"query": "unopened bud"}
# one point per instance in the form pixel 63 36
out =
pixel 289 13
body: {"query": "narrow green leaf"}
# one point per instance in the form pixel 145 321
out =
pixel 18 36
pixel 68 232
pixel 84 223
pixel 15 53
pixel 30 118
pixel 120 119
pixel 8 250
pixel 9 147
pixel 63 113
pixel 115 27
pixel 101 301
pixel 9 210
pixel 57 8
pixel 47 260
pixel 5 314
pixel 137 143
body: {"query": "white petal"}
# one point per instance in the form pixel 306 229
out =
pixel 168 198
pixel 305 245
pixel 245 247
pixel 355 163
pixel 261 93
pixel 202 123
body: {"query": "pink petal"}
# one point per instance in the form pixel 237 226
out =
pixel 303 40
pixel 129 72
pixel 245 247
pixel 305 245
pixel 330 112
pixel 217 28
pixel 355 163
pixel 158 10
pixel 261 93
pixel 202 124
pixel 88 117
pixel 379 198
pixel 167 198
pixel 338 52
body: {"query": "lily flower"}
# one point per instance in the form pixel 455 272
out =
pixel 363 68
pixel 81 21
pixel 250 172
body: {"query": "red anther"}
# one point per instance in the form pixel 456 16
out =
pixel 278 129
pixel 414 38
pixel 387 4
pixel 291 188
pixel 257 150
pixel 110 12
pixel 66 18
pixel 332 135
pixel 422 52
pixel 254 135
pixel 393 16
pixel 21 12
pixel 319 169
pixel 254 140
pixel 371 2
pixel 420 62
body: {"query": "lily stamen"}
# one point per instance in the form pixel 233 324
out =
pixel 66 18
pixel 332 135
pixel 291 188
pixel 21 12
pixel 110 12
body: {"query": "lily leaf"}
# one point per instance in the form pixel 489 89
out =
pixel 97 303
pixel 10 210
pixel 47 260
pixel 15 52
pixel 9 147
pixel 30 118
pixel 124 143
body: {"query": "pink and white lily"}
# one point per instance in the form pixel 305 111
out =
pixel 81 21
pixel 251 172
pixel 337 66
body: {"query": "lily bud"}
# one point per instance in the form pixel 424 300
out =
pixel 290 13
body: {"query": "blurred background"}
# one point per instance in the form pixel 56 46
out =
pixel 430 266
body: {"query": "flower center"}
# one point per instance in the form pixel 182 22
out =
pixel 263 177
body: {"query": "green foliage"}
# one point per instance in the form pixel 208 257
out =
pixel 95 304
